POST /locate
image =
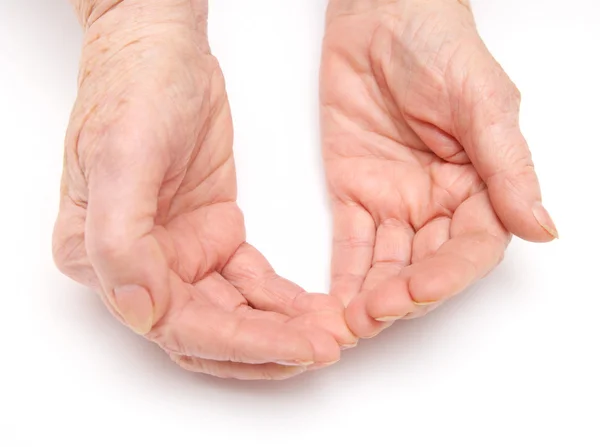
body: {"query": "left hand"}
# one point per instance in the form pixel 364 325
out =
pixel 148 214
pixel 427 167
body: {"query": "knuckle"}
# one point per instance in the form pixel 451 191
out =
pixel 516 93
pixel 511 94
pixel 61 259
pixel 107 244
pixel 67 248
pixel 492 86
pixel 465 3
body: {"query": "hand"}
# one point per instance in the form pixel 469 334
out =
pixel 148 214
pixel 427 168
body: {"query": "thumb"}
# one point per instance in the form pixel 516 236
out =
pixel 491 136
pixel 124 180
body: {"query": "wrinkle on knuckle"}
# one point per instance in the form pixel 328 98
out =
pixel 66 254
pixel 353 241
pixel 497 89
pixel 518 167
pixel 68 242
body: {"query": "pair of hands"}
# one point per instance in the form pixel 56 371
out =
pixel 428 172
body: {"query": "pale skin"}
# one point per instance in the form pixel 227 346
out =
pixel 428 174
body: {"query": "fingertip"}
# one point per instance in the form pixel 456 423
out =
pixel 440 278
pixel 516 199
pixel 326 349
pixel 135 305
pixel 390 301
pixel 295 346
pixel 360 322
pixel 543 218
pixel 332 323
pixel 528 222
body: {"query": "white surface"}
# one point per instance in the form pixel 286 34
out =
pixel 514 362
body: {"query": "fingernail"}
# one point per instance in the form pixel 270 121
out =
pixel 348 346
pixel 379 330
pixel 135 305
pixel 323 365
pixel 543 218
pixel 424 303
pixel 292 371
pixel 295 362
pixel 373 335
pixel 387 319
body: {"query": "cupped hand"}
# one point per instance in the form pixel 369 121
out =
pixel 148 213
pixel 427 167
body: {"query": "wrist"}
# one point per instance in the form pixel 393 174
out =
pixel 89 11
pixel 337 8
pixel 194 11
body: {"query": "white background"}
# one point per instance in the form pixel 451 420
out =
pixel 513 362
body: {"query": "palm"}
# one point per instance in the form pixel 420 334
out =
pixel 217 301
pixel 404 191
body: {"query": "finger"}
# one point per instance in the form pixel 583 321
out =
pixel 360 322
pixel 256 280
pixel 430 238
pixel 201 329
pixel 203 239
pixel 353 245
pixel 458 263
pixel 477 245
pixel 124 177
pixel 421 311
pixel 327 332
pixel 425 243
pixel 493 140
pixel 217 290
pixel 252 275
pixel 393 247
pixel 239 371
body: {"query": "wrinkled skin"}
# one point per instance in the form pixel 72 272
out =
pixel 148 214
pixel 428 171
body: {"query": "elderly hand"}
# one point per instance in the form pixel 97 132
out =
pixel 148 214
pixel 427 167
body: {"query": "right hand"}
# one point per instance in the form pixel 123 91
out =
pixel 148 214
pixel 428 170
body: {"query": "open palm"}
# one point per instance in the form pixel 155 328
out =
pixel 422 153
pixel 149 216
